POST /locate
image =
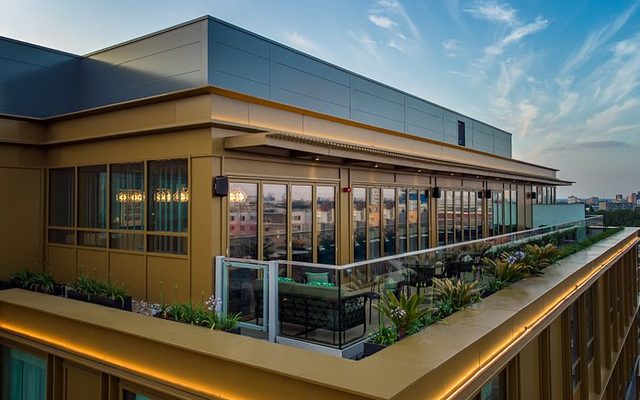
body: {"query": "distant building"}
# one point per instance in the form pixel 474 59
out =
pixel 592 200
pixel 573 200
pixel 618 198
pixel 632 198
pixel 610 206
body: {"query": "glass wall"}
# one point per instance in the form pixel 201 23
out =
pixel 275 222
pixel 495 389
pixel 441 220
pixel 359 224
pixel 301 223
pixel 402 221
pixel 168 205
pixel 373 213
pixel 61 205
pixel 115 208
pixel 128 199
pixel 288 230
pixel 412 214
pixel 243 220
pixel 24 375
pixel 389 219
pixel 326 224
pixel 424 219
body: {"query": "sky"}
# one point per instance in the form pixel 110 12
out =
pixel 562 76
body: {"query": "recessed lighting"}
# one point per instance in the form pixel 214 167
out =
pixel 375 165
pixel 451 174
pixel 316 158
pixel 419 170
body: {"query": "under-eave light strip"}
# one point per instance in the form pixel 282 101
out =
pixel 466 381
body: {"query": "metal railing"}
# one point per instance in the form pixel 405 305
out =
pixel 332 305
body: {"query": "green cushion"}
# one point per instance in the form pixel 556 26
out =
pixel 320 277
pixel 390 284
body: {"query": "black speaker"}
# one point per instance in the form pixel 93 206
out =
pixel 221 186
pixel 481 194
pixel 427 194
pixel 435 192
pixel 487 194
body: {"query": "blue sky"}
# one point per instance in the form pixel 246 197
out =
pixel 562 76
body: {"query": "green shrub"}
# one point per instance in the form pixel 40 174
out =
pixel 403 312
pixel 454 293
pixel 37 281
pixel 504 271
pixel 93 287
pixel 384 335
pixel 538 257
pixel 197 314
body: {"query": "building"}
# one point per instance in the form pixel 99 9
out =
pixel 143 162
pixel 632 198
pixel 573 200
pixel 610 206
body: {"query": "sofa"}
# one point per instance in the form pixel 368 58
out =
pixel 317 307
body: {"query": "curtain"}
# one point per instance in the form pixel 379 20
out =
pixel 24 375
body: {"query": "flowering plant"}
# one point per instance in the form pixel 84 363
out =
pixel 403 311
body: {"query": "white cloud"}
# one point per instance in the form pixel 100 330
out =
pixel 382 21
pixel 396 8
pixel 393 44
pixel 296 40
pixel 370 45
pixel 517 35
pixel 597 38
pixel 528 112
pixel 494 12
pixel 608 117
pixel 451 47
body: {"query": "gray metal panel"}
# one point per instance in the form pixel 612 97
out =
pixel 502 144
pixel 165 62
pixel 482 137
pixel 374 104
pixel 238 61
pixel 424 119
pixel 35 81
pixel 302 81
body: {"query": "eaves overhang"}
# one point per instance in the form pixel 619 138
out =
pixel 318 148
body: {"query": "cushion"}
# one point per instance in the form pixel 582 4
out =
pixel 321 277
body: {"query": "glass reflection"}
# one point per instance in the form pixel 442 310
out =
pixel 359 224
pixel 326 224
pixel 424 219
pixel 301 224
pixel 402 220
pixel 274 220
pixel 373 213
pixel 389 217
pixel 243 220
pixel 413 219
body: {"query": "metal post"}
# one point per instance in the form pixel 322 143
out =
pixel 217 273
pixel 272 326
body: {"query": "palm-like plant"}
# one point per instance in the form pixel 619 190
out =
pixel 539 257
pixel 456 293
pixel 504 271
pixel 403 311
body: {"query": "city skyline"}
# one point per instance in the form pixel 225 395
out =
pixel 572 105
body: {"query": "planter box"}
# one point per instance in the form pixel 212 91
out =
pixel 235 331
pixel 6 285
pixel 103 301
pixel 372 348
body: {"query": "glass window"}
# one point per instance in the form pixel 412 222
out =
pixel 479 215
pixel 61 197
pixel 389 219
pixel 359 224
pixel 402 221
pixel 127 196
pixel 507 211
pixel 93 239
pixel 92 197
pixel 168 195
pixel 274 222
pixel 127 395
pixel 326 224
pixel 441 220
pixel 243 220
pixel 301 223
pixel 24 376
pixel 470 215
pixel 449 214
pixel 424 219
pixel 373 207
pixel 126 241
pixel 413 219
pixel 62 236
pixel 495 389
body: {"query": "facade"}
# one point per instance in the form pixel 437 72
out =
pixel 143 162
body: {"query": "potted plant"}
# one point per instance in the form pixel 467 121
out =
pixel 451 295
pixel 41 282
pixel 207 315
pixel 99 292
pixel 379 340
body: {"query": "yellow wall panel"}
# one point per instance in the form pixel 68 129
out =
pixel 167 279
pixel 81 383
pixel 264 168
pixel 129 270
pixel 201 229
pixel 22 217
pixel 530 371
pixel 62 263
pixel 93 263
pixel 556 359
